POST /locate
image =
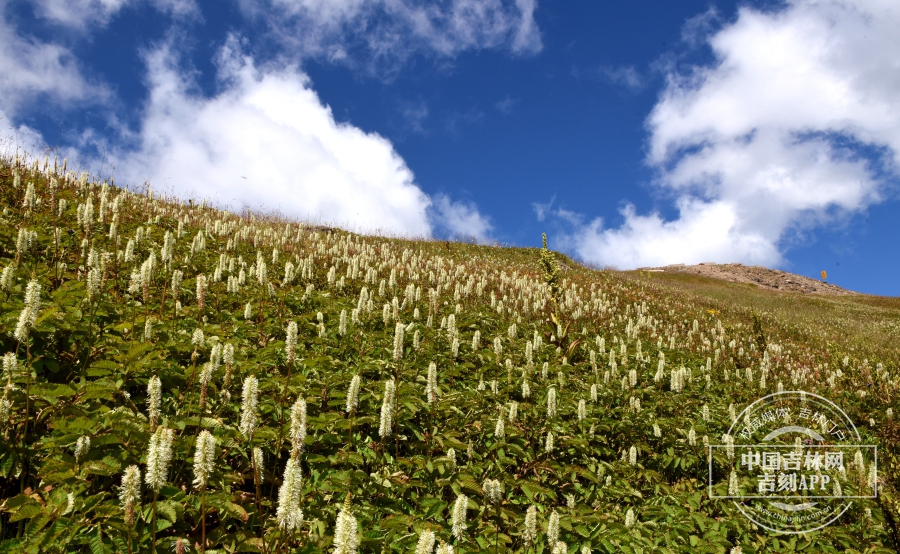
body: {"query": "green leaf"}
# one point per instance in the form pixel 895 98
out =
pixel 167 510
pixel 73 424
pixel 530 488
pixel 26 512
pixel 51 390
pixel 98 389
pixel 96 543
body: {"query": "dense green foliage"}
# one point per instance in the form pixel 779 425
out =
pixel 501 326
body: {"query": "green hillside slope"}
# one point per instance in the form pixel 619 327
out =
pixel 176 375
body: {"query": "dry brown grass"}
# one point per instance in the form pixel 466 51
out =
pixel 868 326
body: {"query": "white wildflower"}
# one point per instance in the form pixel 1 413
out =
pixel 290 342
pixel 431 384
pixel 353 394
pixel 298 425
pixel 249 403
pixel 458 519
pixel 258 461
pixel 130 492
pixel 630 518
pixel 345 531
pixel 82 445
pixel 154 399
pixel 384 428
pixel 426 542
pixel 530 534
pixel 553 528
pixel 288 514
pixel 204 458
pixel 551 403
pixel 159 455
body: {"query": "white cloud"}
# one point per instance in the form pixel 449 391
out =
pixel 456 119
pixel 541 210
pixel 696 29
pixel 80 14
pixel 796 123
pixel 460 219
pixel 31 70
pixel 18 138
pixel 389 31
pixel 177 8
pixel 626 76
pixel 704 232
pixel 415 114
pixel 266 140
pixel 506 105
pixel 528 36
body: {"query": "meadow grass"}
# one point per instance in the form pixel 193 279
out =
pixel 180 376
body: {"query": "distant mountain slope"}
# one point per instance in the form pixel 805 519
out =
pixel 763 277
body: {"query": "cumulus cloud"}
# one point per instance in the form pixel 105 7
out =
pixel 264 140
pixel 267 141
pixel 794 125
pixel 386 32
pixel 704 232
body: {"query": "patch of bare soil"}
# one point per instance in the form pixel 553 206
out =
pixel 762 277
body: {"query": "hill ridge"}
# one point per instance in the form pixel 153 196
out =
pixel 761 276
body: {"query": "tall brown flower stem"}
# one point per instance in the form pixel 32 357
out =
pixel 162 302
pixel 397 411
pixel 350 431
pixel 259 511
pixel 203 521
pixel 287 381
pixel 153 525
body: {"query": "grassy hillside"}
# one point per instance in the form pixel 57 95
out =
pixel 180 376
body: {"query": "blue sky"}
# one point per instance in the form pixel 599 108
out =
pixel 635 133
